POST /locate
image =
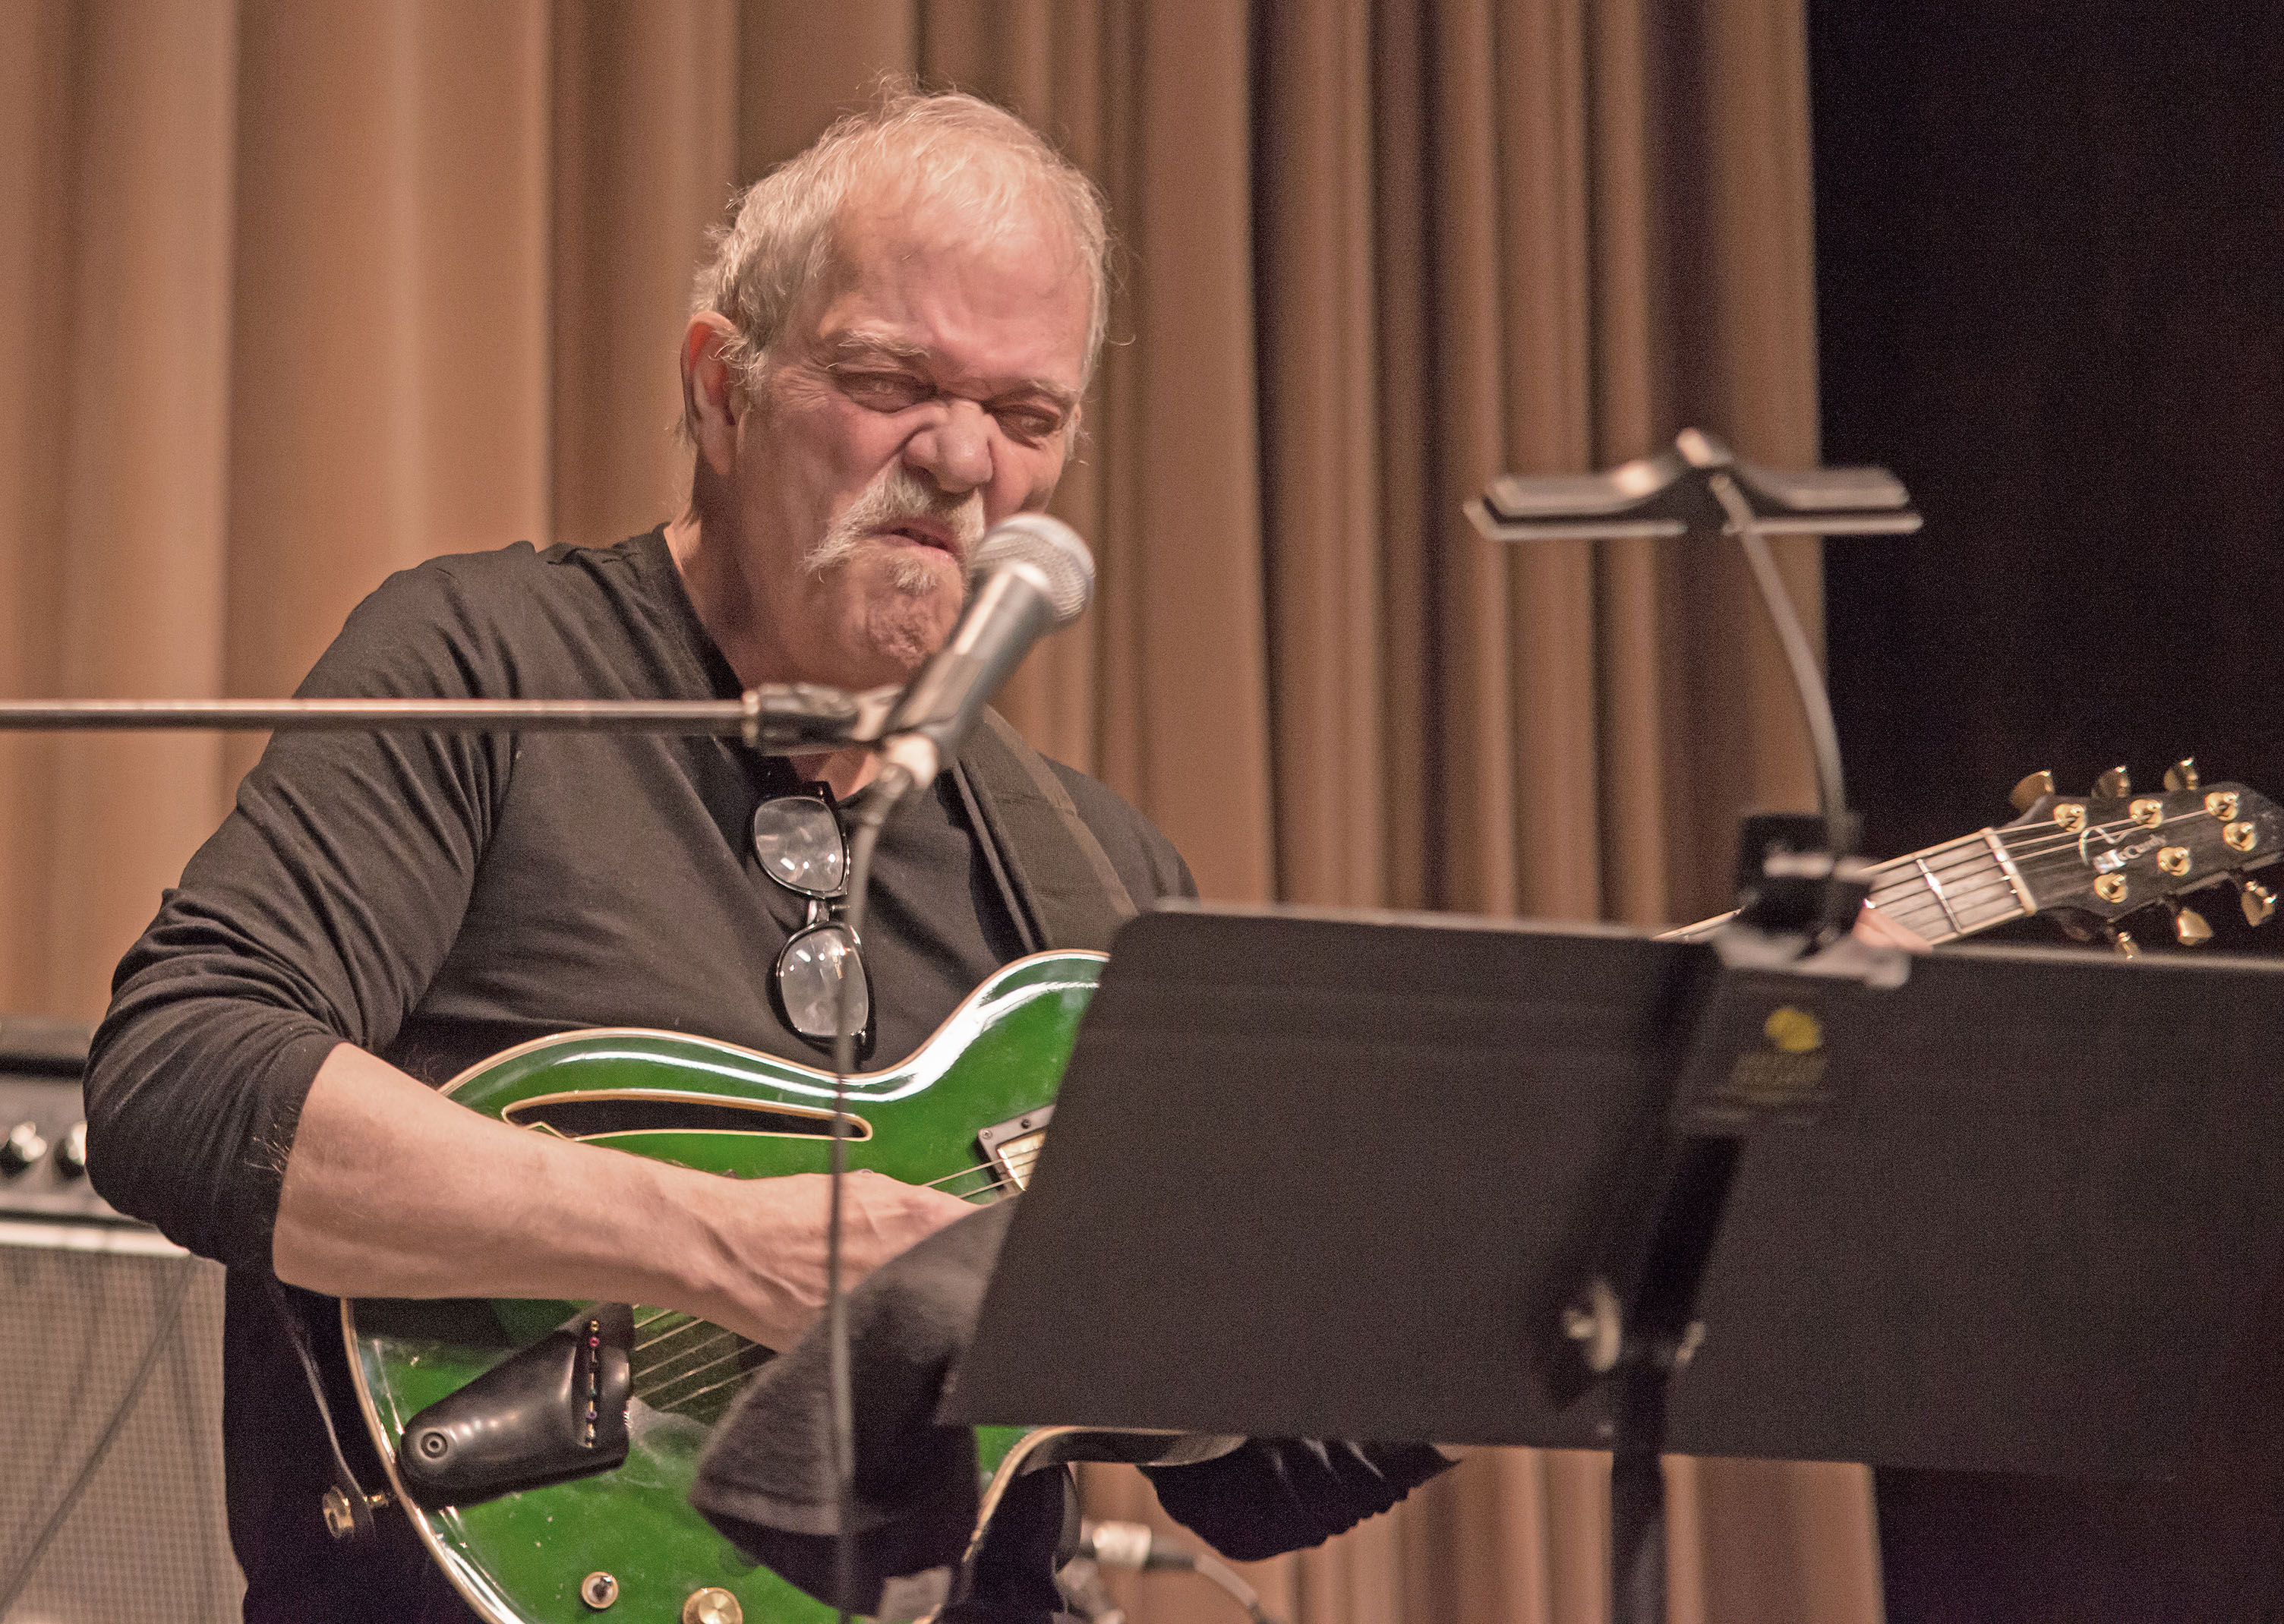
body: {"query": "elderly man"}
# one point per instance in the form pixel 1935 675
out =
pixel 888 356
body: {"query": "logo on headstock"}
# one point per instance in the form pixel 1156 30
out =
pixel 2117 856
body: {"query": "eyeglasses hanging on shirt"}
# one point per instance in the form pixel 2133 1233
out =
pixel 799 842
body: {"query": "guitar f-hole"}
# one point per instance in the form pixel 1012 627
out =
pixel 599 1113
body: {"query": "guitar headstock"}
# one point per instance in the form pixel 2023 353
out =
pixel 2096 858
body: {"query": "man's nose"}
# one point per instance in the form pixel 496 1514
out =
pixel 955 450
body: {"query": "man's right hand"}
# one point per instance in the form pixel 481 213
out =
pixel 784 1244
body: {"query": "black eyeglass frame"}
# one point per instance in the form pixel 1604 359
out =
pixel 823 916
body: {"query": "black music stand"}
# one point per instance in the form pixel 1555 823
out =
pixel 1322 1176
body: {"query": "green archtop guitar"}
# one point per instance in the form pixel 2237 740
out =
pixel 964 1114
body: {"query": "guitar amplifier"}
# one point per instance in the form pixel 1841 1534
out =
pixel 111 1491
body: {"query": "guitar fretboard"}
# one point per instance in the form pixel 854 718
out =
pixel 1951 890
pixel 1943 893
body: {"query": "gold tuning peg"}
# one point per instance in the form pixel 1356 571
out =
pixel 2122 940
pixel 2257 900
pixel 2182 774
pixel 2025 795
pixel 2114 784
pixel 2189 927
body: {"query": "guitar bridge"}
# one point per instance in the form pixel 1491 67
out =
pixel 1013 1147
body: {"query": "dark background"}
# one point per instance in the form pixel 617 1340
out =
pixel 2049 245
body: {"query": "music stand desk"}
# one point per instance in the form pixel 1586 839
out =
pixel 1340 1176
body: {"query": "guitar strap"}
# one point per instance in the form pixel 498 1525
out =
pixel 1059 882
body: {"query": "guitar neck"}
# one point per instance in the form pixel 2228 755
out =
pixel 1943 893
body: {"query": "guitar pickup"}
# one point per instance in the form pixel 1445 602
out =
pixel 1013 1146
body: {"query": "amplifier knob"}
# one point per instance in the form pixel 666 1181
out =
pixel 22 1148
pixel 71 1151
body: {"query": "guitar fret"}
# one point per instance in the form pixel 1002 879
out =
pixel 1936 886
pixel 2006 860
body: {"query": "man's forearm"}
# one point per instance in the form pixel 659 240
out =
pixel 392 1190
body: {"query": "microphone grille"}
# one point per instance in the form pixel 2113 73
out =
pixel 1049 546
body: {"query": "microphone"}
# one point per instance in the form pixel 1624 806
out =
pixel 1136 1549
pixel 1032 575
pixel 1131 1546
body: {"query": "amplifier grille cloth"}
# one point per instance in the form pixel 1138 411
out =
pixel 147 1542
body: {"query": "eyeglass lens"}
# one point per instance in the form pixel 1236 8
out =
pixel 800 844
pixel 810 974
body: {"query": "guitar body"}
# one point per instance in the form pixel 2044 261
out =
pixel 958 1113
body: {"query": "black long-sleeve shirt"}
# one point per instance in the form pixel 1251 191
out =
pixel 434 898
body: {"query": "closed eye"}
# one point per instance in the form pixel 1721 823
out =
pixel 885 391
pixel 1029 422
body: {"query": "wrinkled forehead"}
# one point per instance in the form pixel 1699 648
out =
pixel 983 211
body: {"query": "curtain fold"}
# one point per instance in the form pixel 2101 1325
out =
pixel 644 132
pixel 296 294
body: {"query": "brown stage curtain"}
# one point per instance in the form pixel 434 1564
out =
pixel 293 292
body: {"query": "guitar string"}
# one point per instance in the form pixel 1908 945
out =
pixel 1973 905
pixel 2038 840
pixel 1906 878
pixel 1960 877
pixel 2046 855
pixel 981 1167
pixel 1968 891
pixel 1907 895
pixel 2037 845
pixel 668 1335
pixel 739 1352
pixel 2056 853
pixel 682 1365
pixel 1954 891
pixel 1960 894
pixel 1018 1166
pixel 688 1398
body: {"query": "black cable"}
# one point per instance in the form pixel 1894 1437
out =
pixel 841 1396
pixel 170 1313
pixel 345 1478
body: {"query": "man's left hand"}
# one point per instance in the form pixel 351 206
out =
pixel 1881 930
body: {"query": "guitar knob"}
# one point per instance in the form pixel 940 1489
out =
pixel 2027 793
pixel 2122 940
pixel 712 1606
pixel 2114 784
pixel 2257 900
pixel 2189 927
pixel 2182 774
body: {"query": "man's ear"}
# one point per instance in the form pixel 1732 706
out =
pixel 711 404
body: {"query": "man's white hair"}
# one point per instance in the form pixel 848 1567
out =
pixel 779 235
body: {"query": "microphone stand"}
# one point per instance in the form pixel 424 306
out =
pixel 1799 885
pixel 777 717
